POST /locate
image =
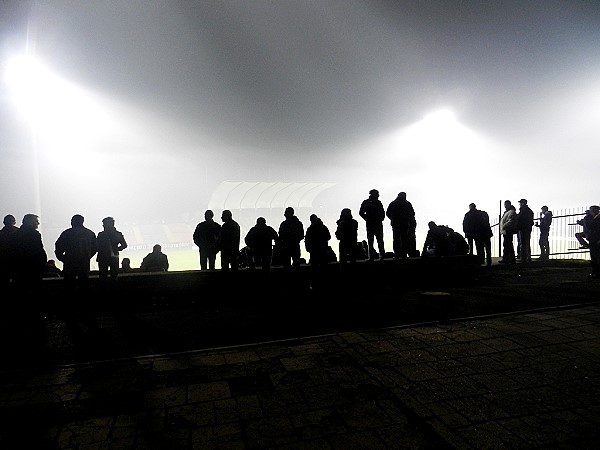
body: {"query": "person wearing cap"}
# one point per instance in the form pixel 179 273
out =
pixel 593 237
pixel 544 224
pixel 524 226
pixel 110 243
pixel 371 210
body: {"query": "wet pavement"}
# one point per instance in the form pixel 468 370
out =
pixel 521 374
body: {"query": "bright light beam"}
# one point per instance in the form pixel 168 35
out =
pixel 58 110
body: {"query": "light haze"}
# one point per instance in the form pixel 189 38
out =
pixel 140 110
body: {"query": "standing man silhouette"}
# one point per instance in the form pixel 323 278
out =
pixel 544 225
pixel 402 218
pixel 525 225
pixel 347 234
pixel 75 247
pixel 31 257
pixel 291 232
pixel 371 210
pixel 230 241
pixel 206 236
pixel 110 243
pixel 260 241
pixel 8 251
pixel 508 228
pixel 317 242
pixel 476 225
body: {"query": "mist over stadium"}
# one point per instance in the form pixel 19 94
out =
pixel 153 112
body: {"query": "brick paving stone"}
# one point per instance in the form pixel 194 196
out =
pixel 523 381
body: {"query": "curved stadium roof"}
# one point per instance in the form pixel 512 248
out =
pixel 252 195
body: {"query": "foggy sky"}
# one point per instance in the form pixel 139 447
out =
pixel 307 91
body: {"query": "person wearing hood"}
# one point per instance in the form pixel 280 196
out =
pixel 347 234
pixel 317 241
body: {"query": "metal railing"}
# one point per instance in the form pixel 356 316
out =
pixel 563 244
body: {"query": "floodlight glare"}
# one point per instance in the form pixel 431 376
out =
pixel 56 108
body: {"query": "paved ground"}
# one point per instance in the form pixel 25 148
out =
pixel 528 379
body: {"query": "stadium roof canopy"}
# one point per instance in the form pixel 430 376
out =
pixel 253 195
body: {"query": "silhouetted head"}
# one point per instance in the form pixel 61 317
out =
pixel 33 221
pixel 77 220
pixel 108 222
pixel 432 225
pixel 126 262
pixel 544 208
pixel 507 204
pixel 472 206
pixel 594 210
pixel 522 202
pixel 226 215
pixel 346 213
pixel 9 219
pixel 157 248
pixel 261 221
pixel 313 218
pixel 289 212
pixel 374 193
pixel 208 214
pixel 402 195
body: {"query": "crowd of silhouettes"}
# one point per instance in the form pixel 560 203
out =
pixel 24 262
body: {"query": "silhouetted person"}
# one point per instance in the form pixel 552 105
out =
pixel 8 251
pixel 317 242
pixel 230 241
pixel 51 271
pixel 524 225
pixel 32 256
pixel 508 228
pixel 477 229
pixel 544 225
pixel 110 243
pixel 155 261
pixel 402 218
pixel 437 241
pixel 581 236
pixel 206 236
pixel 291 232
pixel 470 223
pixel 259 241
pixel 594 241
pixel 362 250
pixel 126 265
pixel 75 247
pixel 371 210
pixel 347 234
